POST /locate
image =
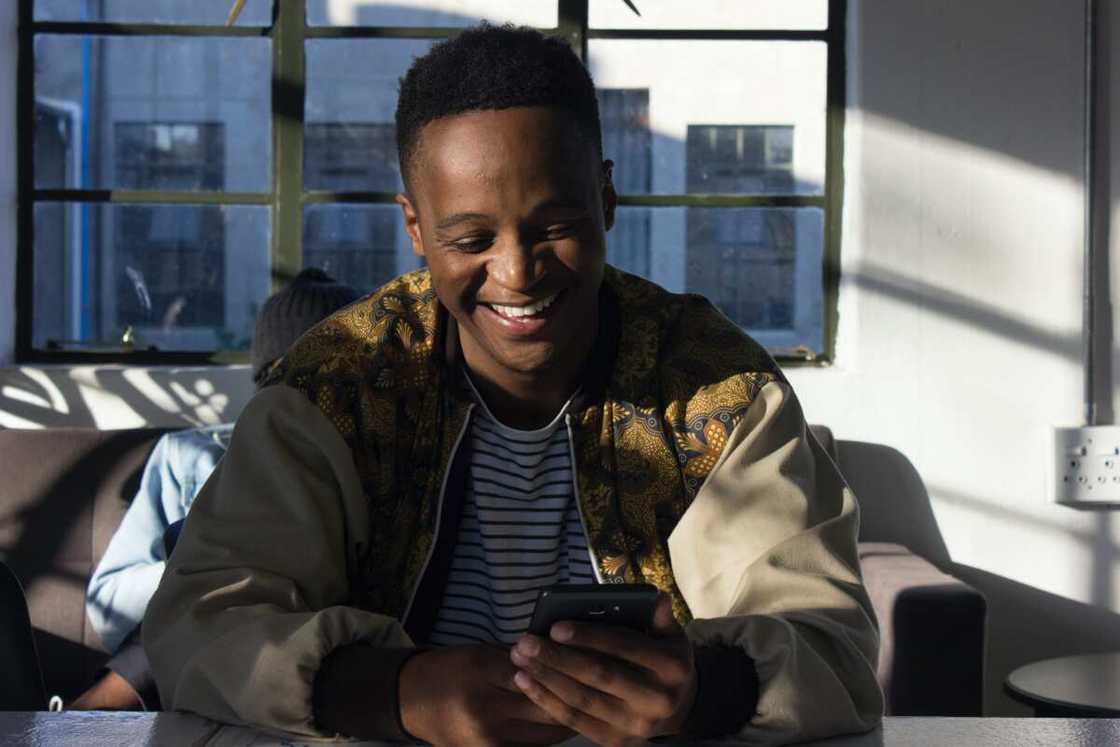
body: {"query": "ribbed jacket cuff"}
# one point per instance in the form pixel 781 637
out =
pixel 726 693
pixel 356 692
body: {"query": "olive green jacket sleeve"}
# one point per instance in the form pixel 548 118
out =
pixel 253 598
pixel 765 557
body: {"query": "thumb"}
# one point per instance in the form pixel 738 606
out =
pixel 665 625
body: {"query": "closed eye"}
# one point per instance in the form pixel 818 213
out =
pixel 559 231
pixel 471 244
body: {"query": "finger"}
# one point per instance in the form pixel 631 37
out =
pixel 599 671
pixel 597 731
pixel 582 697
pixel 665 624
pixel 498 670
pixel 667 657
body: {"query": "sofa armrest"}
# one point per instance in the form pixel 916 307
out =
pixel 931 626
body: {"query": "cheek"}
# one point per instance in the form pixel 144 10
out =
pixel 583 255
pixel 456 282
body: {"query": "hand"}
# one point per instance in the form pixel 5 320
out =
pixel 110 693
pixel 615 686
pixel 464 695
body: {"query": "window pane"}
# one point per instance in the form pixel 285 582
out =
pixel 351 101
pixel 710 14
pixel 184 277
pixel 540 13
pixel 364 246
pixel 761 266
pixel 756 126
pixel 152 113
pixel 199 12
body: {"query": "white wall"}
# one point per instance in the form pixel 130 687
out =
pixel 960 331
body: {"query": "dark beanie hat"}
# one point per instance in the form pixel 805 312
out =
pixel 312 296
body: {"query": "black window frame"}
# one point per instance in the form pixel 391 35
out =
pixel 287 196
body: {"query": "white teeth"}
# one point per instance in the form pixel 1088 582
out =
pixel 530 310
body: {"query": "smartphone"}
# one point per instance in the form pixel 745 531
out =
pixel 629 605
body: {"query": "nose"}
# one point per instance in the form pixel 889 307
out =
pixel 514 266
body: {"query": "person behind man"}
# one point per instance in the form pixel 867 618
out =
pixel 366 558
pixel 179 465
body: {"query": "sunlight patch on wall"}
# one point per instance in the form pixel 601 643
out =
pixel 141 379
pixel 108 410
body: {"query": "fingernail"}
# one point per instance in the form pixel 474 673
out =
pixel 522 680
pixel 562 632
pixel 528 646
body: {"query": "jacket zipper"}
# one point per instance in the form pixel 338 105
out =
pixel 439 514
pixel 579 504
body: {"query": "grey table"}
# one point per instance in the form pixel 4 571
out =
pixel 1083 686
pixel 116 729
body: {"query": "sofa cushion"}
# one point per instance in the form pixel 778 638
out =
pixel 931 634
pixel 63 495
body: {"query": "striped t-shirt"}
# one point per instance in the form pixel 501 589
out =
pixel 520 531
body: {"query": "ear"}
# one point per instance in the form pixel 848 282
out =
pixel 411 223
pixel 609 196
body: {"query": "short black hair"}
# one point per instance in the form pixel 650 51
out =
pixel 494 67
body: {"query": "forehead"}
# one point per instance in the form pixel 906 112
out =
pixel 502 143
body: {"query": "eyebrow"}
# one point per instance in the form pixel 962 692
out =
pixel 457 218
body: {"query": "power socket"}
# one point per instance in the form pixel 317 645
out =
pixel 1086 466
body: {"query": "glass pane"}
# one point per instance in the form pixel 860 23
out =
pixel 756 125
pixel 540 13
pixel 351 100
pixel 364 246
pixel 195 12
pixel 183 277
pixel 761 266
pixel 710 14
pixel 152 112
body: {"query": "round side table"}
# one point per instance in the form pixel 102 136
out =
pixel 1086 686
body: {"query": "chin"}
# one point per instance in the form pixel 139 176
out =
pixel 532 364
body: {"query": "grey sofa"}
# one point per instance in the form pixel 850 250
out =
pixel 64 491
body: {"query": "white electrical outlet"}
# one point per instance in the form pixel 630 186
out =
pixel 1086 466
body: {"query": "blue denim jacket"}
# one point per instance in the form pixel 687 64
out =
pixel 130 570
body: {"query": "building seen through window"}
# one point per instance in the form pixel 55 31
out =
pixel 742 258
pixel 356 243
pixel 169 259
pixel 624 114
pixel 719 149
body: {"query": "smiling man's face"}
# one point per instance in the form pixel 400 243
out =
pixel 510 208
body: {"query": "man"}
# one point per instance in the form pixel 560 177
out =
pixel 179 465
pixel 516 415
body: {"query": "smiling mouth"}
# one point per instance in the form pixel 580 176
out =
pixel 523 312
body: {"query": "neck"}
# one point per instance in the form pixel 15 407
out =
pixel 525 402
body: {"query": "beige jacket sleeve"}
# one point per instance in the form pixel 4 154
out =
pixel 253 597
pixel 766 559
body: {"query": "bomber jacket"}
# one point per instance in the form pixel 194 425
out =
pixel 330 519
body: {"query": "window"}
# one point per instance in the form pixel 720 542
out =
pixel 356 243
pixel 742 259
pixel 170 257
pixel 174 170
pixel 624 114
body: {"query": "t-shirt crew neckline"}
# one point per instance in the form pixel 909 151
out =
pixel 509 430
